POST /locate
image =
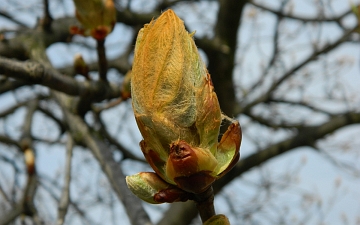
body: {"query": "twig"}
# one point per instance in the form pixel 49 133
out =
pixel 65 195
pixel 47 20
pixel 205 204
pixel 111 104
pixel 127 154
pixel 36 73
pixel 11 85
pixel 9 17
pixel 102 59
pixel 306 136
pixel 314 56
pixel 304 19
pixel 109 166
pixel 50 190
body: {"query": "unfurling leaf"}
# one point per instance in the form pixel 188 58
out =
pixel 152 189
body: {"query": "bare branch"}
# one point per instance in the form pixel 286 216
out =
pixel 127 154
pixel 74 205
pixel 270 123
pixel 102 61
pixel 301 103
pixel 26 204
pixel 12 19
pixel 318 19
pixel 306 136
pixel 65 195
pixel 36 73
pixel 11 85
pixel 107 163
pixel 47 20
pixel 325 49
pixel 9 141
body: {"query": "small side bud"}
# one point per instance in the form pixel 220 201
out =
pixel 29 158
pixel 80 66
pixel 217 220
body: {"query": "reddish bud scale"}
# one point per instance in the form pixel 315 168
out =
pixel 171 195
pixel 195 183
pixel 183 159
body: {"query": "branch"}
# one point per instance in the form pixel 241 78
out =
pixel 270 122
pixel 26 204
pixel 65 195
pixel 314 56
pixel 120 63
pixel 307 136
pixel 48 113
pixel 221 63
pixel 300 103
pixel 205 204
pixel 275 53
pixel 36 73
pixel 126 153
pixel 10 85
pixel 102 61
pixel 318 19
pixel 134 19
pixel 75 206
pixel 12 19
pixel 111 169
pixel 47 20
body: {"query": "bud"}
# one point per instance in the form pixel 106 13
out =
pixel 152 189
pixel 217 220
pixel 29 158
pixel 191 168
pixel 177 110
pixel 97 17
pixel 80 66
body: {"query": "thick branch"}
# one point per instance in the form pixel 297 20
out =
pixel 22 46
pixel 221 63
pixel 134 19
pixel 36 73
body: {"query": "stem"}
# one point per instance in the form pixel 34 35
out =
pixel 47 17
pixel 205 204
pixel 102 59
